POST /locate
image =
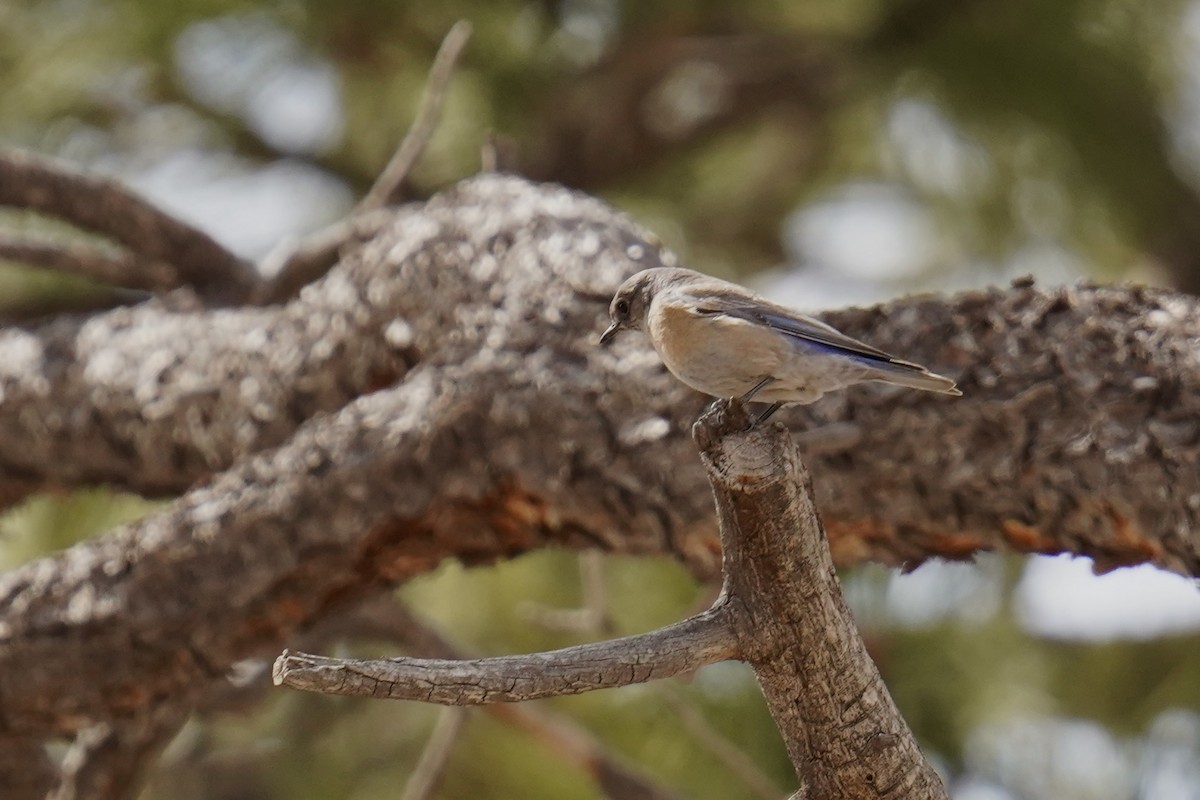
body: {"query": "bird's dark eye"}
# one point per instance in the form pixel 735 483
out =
pixel 623 307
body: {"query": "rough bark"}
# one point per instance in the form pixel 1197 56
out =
pixel 844 734
pixel 501 428
pixel 676 649
pixel 175 253
pixel 1077 433
pixel 781 610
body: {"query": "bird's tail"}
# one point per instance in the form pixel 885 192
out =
pixel 904 373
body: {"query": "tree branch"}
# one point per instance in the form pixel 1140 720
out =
pixel 682 647
pixel 500 427
pixel 87 261
pixel 727 752
pixel 388 620
pixel 781 602
pixel 387 185
pixel 423 781
pixel 844 734
pixel 1061 444
pixel 294 266
pixel 103 206
pixel 107 761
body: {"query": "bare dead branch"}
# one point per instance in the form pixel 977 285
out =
pixel 725 751
pixel 592 616
pixel 682 647
pixel 844 734
pixel 292 267
pixel 386 619
pixel 107 761
pixel 781 601
pixel 116 268
pixel 427 774
pixel 387 185
pixel 104 206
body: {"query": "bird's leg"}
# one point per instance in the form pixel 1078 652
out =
pixel 766 415
pixel 748 396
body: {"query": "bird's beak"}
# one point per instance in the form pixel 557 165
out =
pixel 609 333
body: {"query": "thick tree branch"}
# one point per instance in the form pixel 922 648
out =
pixel 103 206
pixel 509 430
pixel 781 601
pixel 842 730
pixel 1075 433
pixel 682 647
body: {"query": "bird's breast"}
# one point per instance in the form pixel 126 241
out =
pixel 715 354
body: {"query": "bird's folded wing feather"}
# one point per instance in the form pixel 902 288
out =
pixel 796 325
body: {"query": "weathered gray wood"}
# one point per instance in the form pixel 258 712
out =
pixel 842 730
pixel 498 427
pixel 683 647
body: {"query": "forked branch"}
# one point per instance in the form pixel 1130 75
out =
pixel 781 610
pixel 104 206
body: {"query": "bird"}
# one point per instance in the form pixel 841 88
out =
pixel 725 341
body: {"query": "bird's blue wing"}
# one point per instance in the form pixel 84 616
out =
pixel 798 326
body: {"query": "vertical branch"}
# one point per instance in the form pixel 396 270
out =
pixel 432 765
pixel 108 761
pixel 844 734
pixel 387 185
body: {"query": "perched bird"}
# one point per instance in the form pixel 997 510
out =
pixel 726 341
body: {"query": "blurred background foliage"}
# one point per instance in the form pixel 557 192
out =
pixel 830 153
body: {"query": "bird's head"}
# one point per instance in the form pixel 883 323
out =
pixel 630 304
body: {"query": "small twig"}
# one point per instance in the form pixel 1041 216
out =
pixel 568 740
pixel 117 268
pixel 431 765
pixel 107 761
pixel 592 615
pixel 682 647
pixel 577 747
pixel 728 753
pixel 293 265
pixel 498 154
pixel 104 206
pixel 387 185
